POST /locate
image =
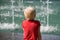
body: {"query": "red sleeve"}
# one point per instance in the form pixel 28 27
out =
pixel 39 24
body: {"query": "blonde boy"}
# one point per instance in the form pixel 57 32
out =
pixel 31 27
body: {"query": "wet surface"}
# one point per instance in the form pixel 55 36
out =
pixel 19 36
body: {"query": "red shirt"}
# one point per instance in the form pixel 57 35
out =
pixel 30 28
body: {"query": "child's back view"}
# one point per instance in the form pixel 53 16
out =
pixel 30 26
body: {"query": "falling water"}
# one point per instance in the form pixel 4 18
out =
pixel 12 12
pixel 47 13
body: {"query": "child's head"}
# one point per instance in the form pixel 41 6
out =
pixel 30 13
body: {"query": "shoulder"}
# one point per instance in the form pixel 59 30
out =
pixel 38 22
pixel 23 21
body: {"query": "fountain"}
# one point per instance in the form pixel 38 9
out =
pixel 45 12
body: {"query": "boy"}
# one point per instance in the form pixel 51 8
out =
pixel 30 26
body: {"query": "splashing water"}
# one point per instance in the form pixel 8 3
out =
pixel 48 29
pixel 8 26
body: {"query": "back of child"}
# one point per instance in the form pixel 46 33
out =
pixel 30 26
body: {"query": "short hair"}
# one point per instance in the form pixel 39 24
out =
pixel 30 12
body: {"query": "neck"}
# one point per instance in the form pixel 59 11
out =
pixel 29 19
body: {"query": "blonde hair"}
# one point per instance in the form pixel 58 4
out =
pixel 30 13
